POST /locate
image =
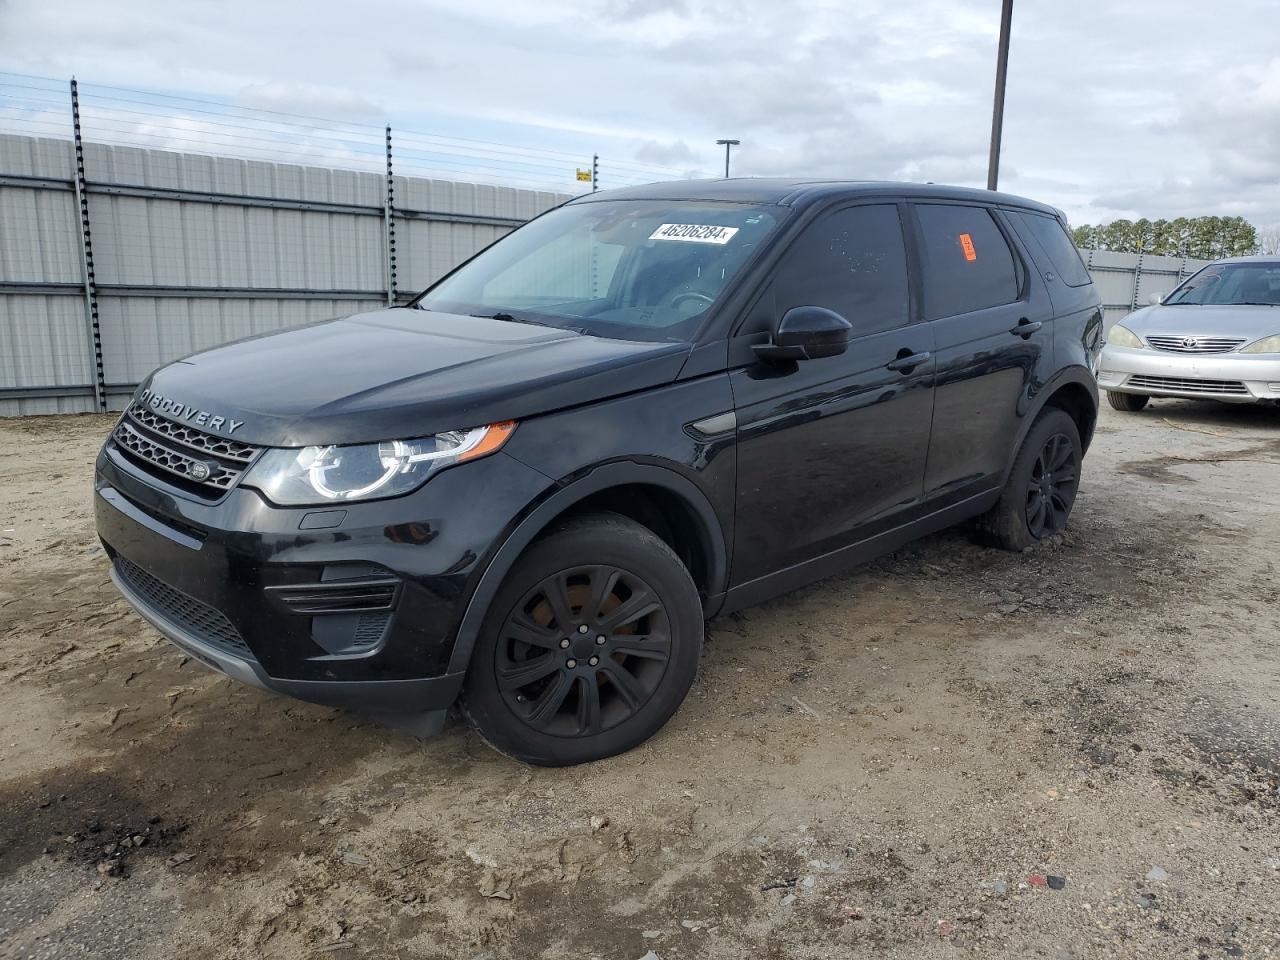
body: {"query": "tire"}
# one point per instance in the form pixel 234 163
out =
pixel 1015 522
pixel 614 582
pixel 1128 402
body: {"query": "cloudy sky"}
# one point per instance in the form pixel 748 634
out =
pixel 1153 108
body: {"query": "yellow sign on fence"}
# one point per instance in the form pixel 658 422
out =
pixel 584 175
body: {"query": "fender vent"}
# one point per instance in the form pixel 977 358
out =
pixel 370 629
pixel 366 595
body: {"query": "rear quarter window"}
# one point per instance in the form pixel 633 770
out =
pixel 967 261
pixel 1058 246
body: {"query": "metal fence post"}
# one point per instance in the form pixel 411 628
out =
pixel 92 321
pixel 1137 281
pixel 389 227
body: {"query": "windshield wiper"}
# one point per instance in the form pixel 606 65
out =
pixel 510 318
pixel 1250 303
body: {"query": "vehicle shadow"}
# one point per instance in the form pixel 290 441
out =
pixel 1209 413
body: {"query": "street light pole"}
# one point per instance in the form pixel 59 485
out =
pixel 728 145
pixel 997 109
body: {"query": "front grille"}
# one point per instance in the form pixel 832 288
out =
pixel 1184 385
pixel 208 463
pixel 1195 344
pixel 199 619
pixel 192 438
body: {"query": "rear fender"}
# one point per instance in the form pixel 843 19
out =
pixel 1068 375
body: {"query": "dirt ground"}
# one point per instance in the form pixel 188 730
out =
pixel 1070 753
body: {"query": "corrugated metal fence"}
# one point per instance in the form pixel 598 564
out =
pixel 189 251
pixel 1126 281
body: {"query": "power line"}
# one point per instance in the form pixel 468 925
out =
pixel 155 120
pixel 293 118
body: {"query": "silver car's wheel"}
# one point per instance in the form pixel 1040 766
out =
pixel 1128 402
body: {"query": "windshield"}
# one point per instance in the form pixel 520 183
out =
pixel 1228 283
pixel 632 269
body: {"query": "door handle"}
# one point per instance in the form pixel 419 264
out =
pixel 905 362
pixel 1026 328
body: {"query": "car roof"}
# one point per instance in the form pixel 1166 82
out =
pixel 792 192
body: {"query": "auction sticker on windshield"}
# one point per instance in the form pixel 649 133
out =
pixel 694 233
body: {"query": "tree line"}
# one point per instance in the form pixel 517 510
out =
pixel 1199 238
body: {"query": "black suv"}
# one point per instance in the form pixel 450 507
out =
pixel 528 489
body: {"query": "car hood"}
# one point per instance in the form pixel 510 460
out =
pixel 1249 322
pixel 398 373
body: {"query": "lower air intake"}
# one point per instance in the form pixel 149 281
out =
pixel 198 619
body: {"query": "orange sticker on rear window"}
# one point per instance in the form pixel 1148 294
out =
pixel 966 244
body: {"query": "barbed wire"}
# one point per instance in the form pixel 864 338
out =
pixel 128 117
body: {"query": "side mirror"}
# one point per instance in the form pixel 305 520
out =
pixel 807 333
pixel 1156 298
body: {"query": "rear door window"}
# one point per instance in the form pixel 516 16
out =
pixel 967 264
pixel 1059 247
pixel 852 261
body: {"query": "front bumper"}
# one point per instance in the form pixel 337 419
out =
pixel 244 586
pixel 1231 377
pixel 428 695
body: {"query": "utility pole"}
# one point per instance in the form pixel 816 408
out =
pixel 728 145
pixel 997 108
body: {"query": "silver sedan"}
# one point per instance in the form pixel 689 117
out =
pixel 1216 336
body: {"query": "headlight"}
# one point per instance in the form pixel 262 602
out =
pixel 1265 345
pixel 368 471
pixel 1122 336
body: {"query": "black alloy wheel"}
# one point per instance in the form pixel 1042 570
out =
pixel 1041 486
pixel 589 646
pixel 583 651
pixel 1052 486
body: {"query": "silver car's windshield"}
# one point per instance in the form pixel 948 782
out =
pixel 633 269
pixel 1221 284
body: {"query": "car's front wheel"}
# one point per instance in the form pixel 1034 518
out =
pixel 1042 485
pixel 1128 402
pixel 589 647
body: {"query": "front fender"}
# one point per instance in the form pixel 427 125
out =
pixel 540 516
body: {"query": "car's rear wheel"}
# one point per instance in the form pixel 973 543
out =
pixel 589 647
pixel 1128 402
pixel 1042 485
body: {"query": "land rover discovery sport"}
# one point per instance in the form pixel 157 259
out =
pixel 527 490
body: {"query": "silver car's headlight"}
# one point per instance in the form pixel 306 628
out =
pixel 1122 336
pixel 1265 345
pixel 368 471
